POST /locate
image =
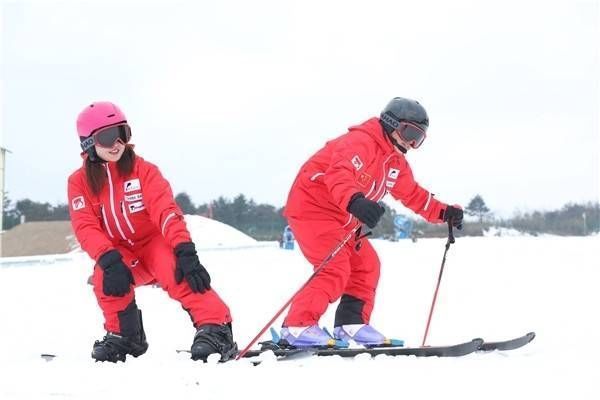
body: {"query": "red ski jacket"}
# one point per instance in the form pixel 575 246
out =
pixel 362 160
pixel 128 210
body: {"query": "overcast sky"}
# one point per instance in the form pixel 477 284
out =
pixel 231 97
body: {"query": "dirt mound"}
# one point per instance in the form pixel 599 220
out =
pixel 38 238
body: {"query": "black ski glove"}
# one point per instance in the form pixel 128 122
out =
pixel 455 214
pixel 117 279
pixel 188 266
pixel 367 211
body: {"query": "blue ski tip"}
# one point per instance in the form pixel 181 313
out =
pixel 274 335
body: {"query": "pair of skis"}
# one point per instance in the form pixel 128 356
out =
pixel 456 350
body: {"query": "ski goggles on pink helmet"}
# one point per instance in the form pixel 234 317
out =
pixel 107 137
pixel 411 133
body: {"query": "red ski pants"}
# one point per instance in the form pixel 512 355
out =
pixel 351 272
pixel 154 261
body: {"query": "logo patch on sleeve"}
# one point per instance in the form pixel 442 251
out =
pixel 357 162
pixel 132 185
pixel 393 174
pixel 136 207
pixel 364 179
pixel 78 203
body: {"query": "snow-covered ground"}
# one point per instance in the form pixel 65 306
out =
pixel 493 287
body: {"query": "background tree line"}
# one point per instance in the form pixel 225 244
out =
pixel 266 222
pixel 570 220
pixel 261 221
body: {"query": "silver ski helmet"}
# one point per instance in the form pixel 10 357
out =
pixel 400 111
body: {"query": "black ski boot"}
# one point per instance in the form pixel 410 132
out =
pixel 212 338
pixel 132 339
pixel 115 347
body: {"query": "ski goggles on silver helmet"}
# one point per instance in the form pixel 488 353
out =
pixel 107 137
pixel 411 133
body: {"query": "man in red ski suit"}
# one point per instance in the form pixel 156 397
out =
pixel 338 188
pixel 124 216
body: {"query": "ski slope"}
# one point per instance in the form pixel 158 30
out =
pixel 493 287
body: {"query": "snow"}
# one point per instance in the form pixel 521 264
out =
pixel 211 234
pixel 493 287
pixel 501 231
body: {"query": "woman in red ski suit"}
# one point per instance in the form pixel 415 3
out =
pixel 124 216
pixel 338 188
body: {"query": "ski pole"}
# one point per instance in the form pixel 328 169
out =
pixel 448 243
pixel 319 268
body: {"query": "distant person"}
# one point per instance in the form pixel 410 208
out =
pixel 125 217
pixel 403 227
pixel 338 188
pixel 287 242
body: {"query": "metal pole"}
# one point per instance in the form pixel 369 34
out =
pixel 437 287
pixel 2 155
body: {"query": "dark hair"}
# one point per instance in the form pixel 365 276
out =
pixel 96 175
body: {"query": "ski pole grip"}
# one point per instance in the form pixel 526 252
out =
pixel 450 232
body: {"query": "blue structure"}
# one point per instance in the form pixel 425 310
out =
pixel 403 227
pixel 287 239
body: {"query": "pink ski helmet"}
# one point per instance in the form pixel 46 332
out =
pixel 98 115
